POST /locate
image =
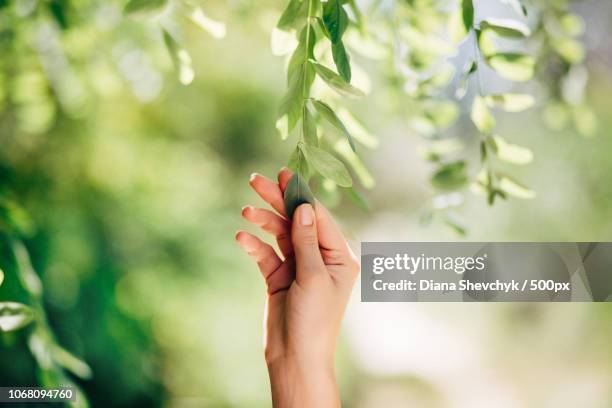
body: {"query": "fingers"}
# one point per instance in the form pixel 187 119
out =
pixel 284 175
pixel 277 274
pixel 330 236
pixel 269 191
pixel 262 253
pixel 272 223
pixel 308 261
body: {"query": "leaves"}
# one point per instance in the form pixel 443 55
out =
pixel 292 11
pixel 180 58
pixel 329 115
pixel 335 81
pixel 327 165
pixel 506 27
pixel 467 14
pixel 296 194
pixel 303 52
pixel 455 224
pixel 569 49
pixel 144 6
pixel 297 162
pixel 450 176
pixel 342 61
pixel 335 20
pixel 469 68
pixel 512 66
pixel 299 89
pixel 510 102
pixel 511 153
pixel 515 188
pixel 14 316
pixel 481 116
pixel 350 157
pixel 212 27
pixel 70 362
pixel 309 127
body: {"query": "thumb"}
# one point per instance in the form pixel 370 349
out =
pixel 306 242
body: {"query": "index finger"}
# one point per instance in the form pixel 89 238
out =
pixel 269 191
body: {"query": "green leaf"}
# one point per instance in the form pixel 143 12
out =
pixel 442 114
pixel 180 58
pixel 510 102
pixel 572 24
pixel 359 168
pixel 327 165
pixel 335 81
pixel 1 277
pixel 27 275
pixel 144 6
pixel 467 14
pixel 512 66
pixel 481 116
pixel 462 87
pixel 342 60
pixel 356 129
pixel 70 362
pixel 506 27
pixel 212 27
pixel 511 153
pixel 329 115
pixel 335 20
pixel 486 42
pixel 569 49
pixel 514 188
pixel 358 199
pixel 291 13
pixel 303 52
pixel 456 225
pixel 299 89
pixel 14 316
pixel 296 194
pixel 297 163
pixel 309 127
pixel 450 176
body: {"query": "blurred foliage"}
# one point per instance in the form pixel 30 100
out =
pixel 120 187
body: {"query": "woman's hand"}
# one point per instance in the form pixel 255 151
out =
pixel 308 289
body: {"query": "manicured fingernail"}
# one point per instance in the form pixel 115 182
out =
pixel 253 175
pixel 306 215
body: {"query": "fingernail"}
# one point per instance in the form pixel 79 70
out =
pixel 306 215
pixel 283 168
pixel 245 209
pixel 253 175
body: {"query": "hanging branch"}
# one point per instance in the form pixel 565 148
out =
pixel 315 155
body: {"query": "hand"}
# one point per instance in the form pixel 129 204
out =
pixel 307 294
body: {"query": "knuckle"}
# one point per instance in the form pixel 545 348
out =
pixel 309 239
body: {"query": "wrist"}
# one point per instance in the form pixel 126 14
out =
pixel 301 382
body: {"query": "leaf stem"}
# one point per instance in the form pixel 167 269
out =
pixel 478 59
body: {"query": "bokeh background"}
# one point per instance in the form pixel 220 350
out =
pixel 125 188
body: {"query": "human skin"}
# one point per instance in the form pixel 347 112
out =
pixel 307 292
